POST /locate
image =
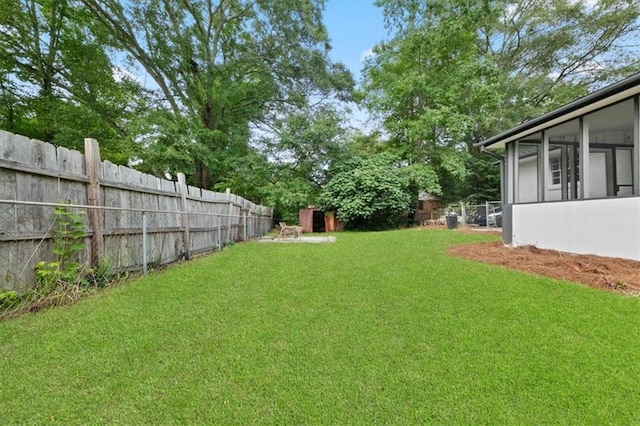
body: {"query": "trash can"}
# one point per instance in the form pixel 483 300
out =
pixel 452 221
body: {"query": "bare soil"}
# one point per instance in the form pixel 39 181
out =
pixel 611 274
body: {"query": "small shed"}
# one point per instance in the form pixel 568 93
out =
pixel 312 219
pixel 426 208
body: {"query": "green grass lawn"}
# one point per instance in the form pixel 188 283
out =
pixel 375 328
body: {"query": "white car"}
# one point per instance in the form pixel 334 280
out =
pixel 495 218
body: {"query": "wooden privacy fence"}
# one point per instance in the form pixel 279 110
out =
pixel 131 219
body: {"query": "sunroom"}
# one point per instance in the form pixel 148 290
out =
pixel 570 178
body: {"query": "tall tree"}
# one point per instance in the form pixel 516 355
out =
pixel 224 66
pixel 56 80
pixel 428 84
pixel 553 51
pixel 287 167
pixel 456 71
pixel 308 140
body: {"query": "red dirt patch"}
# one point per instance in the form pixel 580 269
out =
pixel 618 275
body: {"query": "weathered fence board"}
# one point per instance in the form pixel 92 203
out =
pixel 180 219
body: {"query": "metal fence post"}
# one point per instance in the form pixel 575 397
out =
pixel 486 212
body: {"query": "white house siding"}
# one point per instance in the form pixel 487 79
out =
pixel 605 227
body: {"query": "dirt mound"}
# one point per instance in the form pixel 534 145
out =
pixel 619 275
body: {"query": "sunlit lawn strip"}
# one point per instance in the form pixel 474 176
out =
pixel 377 327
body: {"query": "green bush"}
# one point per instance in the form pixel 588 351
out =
pixel 8 299
pixel 375 192
pixel 68 238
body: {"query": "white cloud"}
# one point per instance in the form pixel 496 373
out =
pixel 366 54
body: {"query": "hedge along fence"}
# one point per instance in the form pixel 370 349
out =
pixel 131 218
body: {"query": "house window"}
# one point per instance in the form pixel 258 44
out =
pixel 556 172
pixel 564 161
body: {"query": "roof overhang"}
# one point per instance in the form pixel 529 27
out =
pixel 599 99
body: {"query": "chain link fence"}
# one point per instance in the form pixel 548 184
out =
pixel 488 214
pixel 131 240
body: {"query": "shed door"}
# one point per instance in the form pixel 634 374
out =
pixel 318 221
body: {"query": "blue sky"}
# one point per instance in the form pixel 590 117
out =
pixel 354 27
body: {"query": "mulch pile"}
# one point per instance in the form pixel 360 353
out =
pixel 618 275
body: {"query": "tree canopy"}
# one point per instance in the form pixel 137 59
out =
pixel 244 94
pixel 184 84
pixel 224 66
pixel 56 79
pixel 457 71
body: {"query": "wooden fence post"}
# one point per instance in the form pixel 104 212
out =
pixel 270 225
pixel 92 167
pixel 229 213
pixel 182 188
pixel 244 225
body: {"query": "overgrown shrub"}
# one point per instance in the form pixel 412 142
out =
pixel 65 278
pixel 65 272
pixel 375 192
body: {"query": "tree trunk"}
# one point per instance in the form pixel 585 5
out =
pixel 48 132
pixel 202 175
